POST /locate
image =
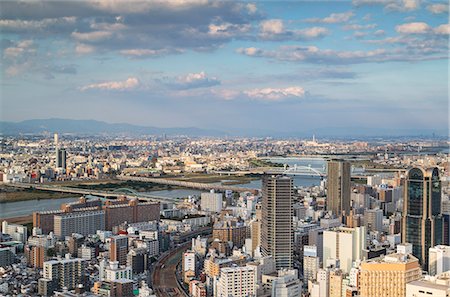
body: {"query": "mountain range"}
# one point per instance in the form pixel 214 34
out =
pixel 93 127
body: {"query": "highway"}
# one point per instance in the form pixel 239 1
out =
pixel 106 194
pixel 185 184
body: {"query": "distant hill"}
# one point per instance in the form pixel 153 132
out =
pixel 95 127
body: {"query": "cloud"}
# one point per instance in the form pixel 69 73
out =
pixel 274 29
pixel 413 28
pixel 438 8
pixel 136 29
pixel 146 53
pixel 359 27
pixel 333 18
pixel 275 94
pixel 191 81
pixel 262 94
pixel 443 29
pixel 84 49
pixel 130 83
pixel 315 55
pixel 91 36
pixel 391 5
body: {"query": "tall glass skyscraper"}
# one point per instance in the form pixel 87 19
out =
pixel 277 234
pixel 422 218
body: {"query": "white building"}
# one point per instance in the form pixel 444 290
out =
pixel 17 232
pixel 428 288
pixel 345 244
pixel 287 284
pixel 439 259
pixel 211 202
pixel 311 262
pixel 86 252
pixel 237 282
pixel 116 272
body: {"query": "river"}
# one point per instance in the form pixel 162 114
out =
pixel 24 208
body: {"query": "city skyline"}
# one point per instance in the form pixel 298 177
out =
pixel 360 66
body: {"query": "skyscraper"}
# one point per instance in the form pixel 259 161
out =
pixel 277 231
pixel 118 249
pixel 422 218
pixel 61 158
pixel 338 187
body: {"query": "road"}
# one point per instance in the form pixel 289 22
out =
pixel 106 194
pixel 186 184
pixel 164 275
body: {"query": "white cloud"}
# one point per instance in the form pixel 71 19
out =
pixel 91 36
pixel 359 27
pixel 275 94
pixel 228 30
pixel 192 81
pixel 145 53
pixel 438 8
pixel 333 18
pixel 396 5
pixel 413 28
pixel 275 30
pixel 443 29
pixel 33 25
pixel 84 49
pixel 128 84
pixel 274 26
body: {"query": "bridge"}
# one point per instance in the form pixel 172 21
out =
pixel 106 194
pixel 186 184
pixel 294 170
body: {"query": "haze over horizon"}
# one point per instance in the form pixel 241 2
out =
pixel 274 67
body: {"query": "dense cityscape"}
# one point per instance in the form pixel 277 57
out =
pixel 180 216
pixel 224 148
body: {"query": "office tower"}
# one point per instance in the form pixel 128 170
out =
pixel 277 234
pixel 388 276
pixel 17 232
pixel 67 272
pixel 336 277
pixel 374 219
pixel 310 263
pixel 84 223
pixel 61 158
pixel 237 282
pixel 439 260
pixel 211 202
pixel 345 244
pixel 338 187
pixel 286 284
pixel 422 219
pixel 118 249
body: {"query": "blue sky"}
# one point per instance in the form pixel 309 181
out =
pixel 361 66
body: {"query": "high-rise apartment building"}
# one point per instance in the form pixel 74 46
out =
pixel 84 223
pixel 67 272
pixel 277 234
pixel 237 282
pixel 388 276
pixel 439 259
pixel 374 219
pixel 311 262
pixel 422 218
pixel 118 249
pixel 345 244
pixel 211 201
pixel 338 187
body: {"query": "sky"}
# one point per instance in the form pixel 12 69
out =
pixel 324 67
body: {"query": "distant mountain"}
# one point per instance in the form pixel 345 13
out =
pixel 95 127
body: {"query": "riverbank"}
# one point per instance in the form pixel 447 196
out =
pixel 8 194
